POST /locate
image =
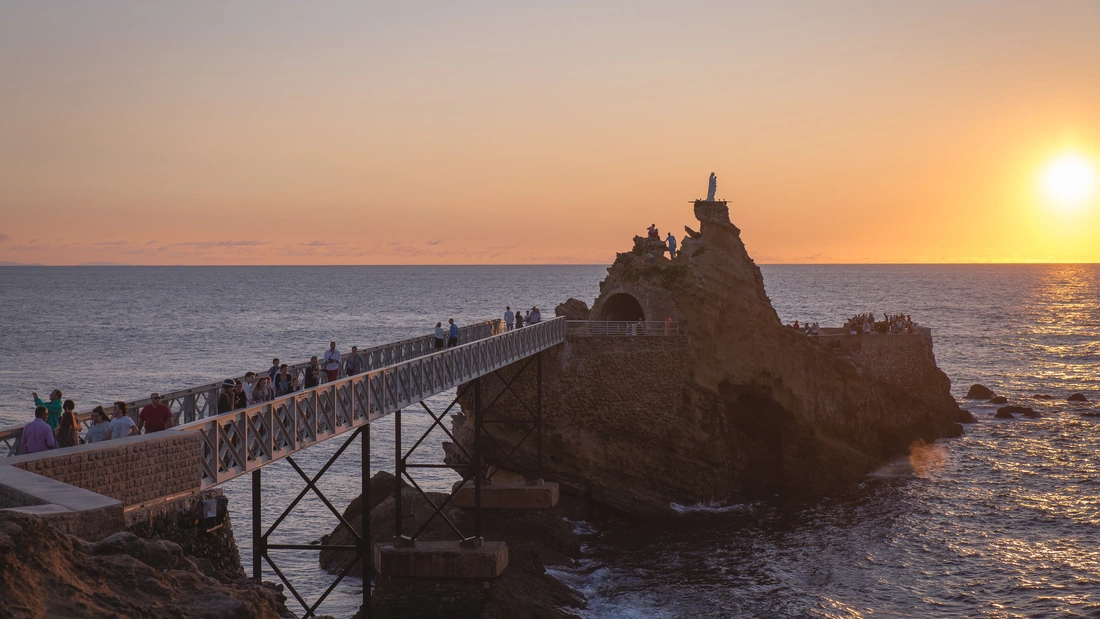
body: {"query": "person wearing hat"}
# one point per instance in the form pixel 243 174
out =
pixel 227 401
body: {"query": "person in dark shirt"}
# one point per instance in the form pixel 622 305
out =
pixel 274 369
pixel 227 401
pixel 313 373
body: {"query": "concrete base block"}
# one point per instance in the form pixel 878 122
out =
pixel 440 560
pixel 507 495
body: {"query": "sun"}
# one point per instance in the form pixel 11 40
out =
pixel 1069 180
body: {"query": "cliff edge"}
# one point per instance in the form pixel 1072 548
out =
pixel 735 405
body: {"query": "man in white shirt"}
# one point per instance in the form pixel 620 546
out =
pixel 331 361
pixel 509 317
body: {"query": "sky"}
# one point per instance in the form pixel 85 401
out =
pixel 542 132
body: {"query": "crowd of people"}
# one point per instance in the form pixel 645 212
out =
pixel 55 423
pixel 890 323
pixel 516 320
pixel 864 323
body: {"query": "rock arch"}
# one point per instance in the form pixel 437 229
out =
pixel 621 306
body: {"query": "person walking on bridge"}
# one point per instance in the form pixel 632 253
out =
pixel 331 360
pixel 509 317
pixel 37 435
pixel 354 363
pixel 313 373
pixel 452 341
pixel 53 407
pixel 440 336
pixel 155 417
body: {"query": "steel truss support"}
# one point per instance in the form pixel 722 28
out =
pixel 362 546
pixel 474 467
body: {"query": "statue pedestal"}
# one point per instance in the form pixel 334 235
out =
pixel 714 211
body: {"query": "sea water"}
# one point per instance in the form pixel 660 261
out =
pixel 1001 522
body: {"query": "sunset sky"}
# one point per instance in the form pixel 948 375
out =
pixel 544 132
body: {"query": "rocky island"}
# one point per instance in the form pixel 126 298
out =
pixel 735 405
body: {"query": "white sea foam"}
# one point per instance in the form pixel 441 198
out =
pixel 710 507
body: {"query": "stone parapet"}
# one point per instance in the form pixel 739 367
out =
pixel 70 509
pixel 133 470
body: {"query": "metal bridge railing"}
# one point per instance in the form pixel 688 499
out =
pixel 240 441
pixel 201 402
pixel 623 328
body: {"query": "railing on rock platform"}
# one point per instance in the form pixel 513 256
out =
pixel 623 328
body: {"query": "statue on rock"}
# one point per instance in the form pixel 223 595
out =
pixel 712 187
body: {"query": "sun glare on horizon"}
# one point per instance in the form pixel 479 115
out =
pixel 1070 180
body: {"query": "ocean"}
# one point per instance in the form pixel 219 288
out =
pixel 1001 522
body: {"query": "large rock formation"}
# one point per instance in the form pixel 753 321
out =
pixel 45 573
pixel 524 591
pixel 739 405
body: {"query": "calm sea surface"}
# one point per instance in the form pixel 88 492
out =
pixel 1002 522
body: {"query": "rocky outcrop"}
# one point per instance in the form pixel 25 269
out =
pixel 739 405
pixel 524 591
pixel 1077 397
pixel 1010 412
pixel 998 400
pixel 572 309
pixel 44 573
pixel 979 392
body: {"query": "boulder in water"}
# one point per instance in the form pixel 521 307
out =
pixel 999 400
pixel 1043 396
pixel 979 392
pixel 1077 397
pixel 1009 412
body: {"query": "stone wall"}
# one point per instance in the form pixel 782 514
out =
pixel 603 399
pixel 133 470
pixel 70 509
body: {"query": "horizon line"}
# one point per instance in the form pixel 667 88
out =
pixel 540 264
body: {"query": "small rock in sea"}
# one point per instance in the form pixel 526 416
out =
pixel 315 542
pixel 1090 414
pixel 1043 396
pixel 1077 397
pixel 999 400
pixel 1007 412
pixel 979 392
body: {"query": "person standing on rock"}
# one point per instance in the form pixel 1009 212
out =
pixel 671 240
pixel 37 435
pixel 332 362
pixel 53 407
pixel 509 317
pixel 452 339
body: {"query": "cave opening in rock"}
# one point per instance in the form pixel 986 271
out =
pixel 622 306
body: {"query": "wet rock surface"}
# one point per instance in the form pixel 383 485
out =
pixel 980 392
pixel 1009 412
pixel 998 400
pixel 1077 397
pixel 44 573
